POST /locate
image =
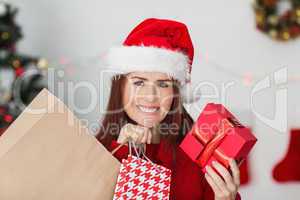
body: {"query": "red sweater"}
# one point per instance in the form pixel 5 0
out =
pixel 187 181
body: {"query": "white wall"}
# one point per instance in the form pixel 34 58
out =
pixel 223 33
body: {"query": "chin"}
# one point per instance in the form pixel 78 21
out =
pixel 148 124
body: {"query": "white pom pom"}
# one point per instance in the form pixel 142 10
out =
pixel 190 93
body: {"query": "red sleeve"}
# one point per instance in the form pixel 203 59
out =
pixel 121 153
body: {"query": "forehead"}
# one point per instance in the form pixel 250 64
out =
pixel 150 75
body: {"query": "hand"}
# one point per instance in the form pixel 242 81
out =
pixel 224 190
pixel 138 134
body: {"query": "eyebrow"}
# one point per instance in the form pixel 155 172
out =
pixel 147 79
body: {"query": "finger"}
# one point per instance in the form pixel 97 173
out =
pixel 145 137
pixel 123 138
pixel 134 133
pixel 128 131
pixel 135 137
pixel 235 171
pixel 218 180
pixel 149 137
pixel 213 185
pixel 139 132
pixel 226 175
pixel 124 135
pixel 140 138
pixel 137 128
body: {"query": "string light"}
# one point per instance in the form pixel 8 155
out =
pixel 63 61
pixel 42 63
pixel 247 78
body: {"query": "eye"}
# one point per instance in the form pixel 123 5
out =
pixel 138 83
pixel 163 84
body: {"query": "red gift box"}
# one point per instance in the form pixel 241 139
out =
pixel 217 136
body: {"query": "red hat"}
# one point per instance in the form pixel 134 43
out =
pixel 157 45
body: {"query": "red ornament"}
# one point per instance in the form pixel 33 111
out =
pixel 294 30
pixel 8 118
pixel 19 71
pixel 286 15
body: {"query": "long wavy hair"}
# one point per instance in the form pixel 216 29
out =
pixel 172 128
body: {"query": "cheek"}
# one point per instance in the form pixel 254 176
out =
pixel 128 98
pixel 166 100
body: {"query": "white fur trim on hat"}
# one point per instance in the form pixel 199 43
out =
pixel 125 59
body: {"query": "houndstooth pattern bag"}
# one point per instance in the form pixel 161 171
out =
pixel 140 178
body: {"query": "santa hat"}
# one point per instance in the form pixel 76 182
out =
pixel 157 45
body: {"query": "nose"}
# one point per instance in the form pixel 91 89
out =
pixel 149 93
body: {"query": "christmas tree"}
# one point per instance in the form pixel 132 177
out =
pixel 21 76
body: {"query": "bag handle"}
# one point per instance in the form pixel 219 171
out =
pixel 142 150
pixel 130 145
pixel 117 148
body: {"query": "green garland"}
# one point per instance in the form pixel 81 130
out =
pixel 280 27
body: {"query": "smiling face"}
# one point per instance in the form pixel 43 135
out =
pixel 147 97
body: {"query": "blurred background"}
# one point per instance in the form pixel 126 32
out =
pixel 245 58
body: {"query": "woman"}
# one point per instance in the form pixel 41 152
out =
pixel 153 69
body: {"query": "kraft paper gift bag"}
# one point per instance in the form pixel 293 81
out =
pixel 47 154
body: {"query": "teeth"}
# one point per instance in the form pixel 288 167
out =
pixel 149 110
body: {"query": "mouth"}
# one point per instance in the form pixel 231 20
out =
pixel 149 110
